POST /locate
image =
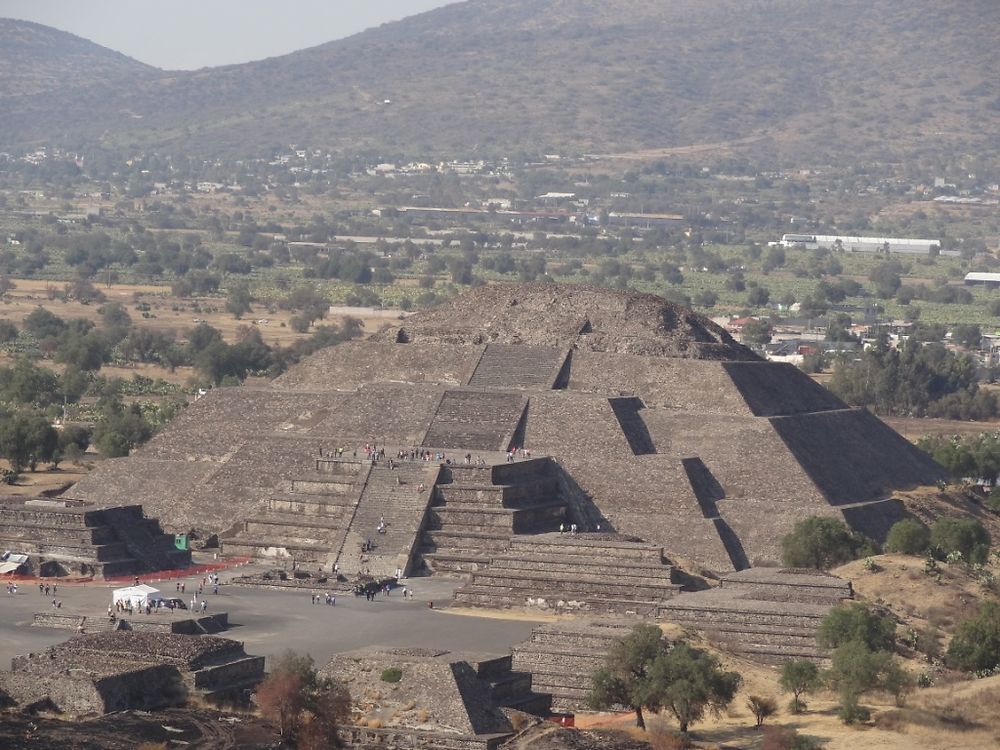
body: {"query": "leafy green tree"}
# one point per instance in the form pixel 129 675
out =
pixel 115 321
pixel 886 279
pixel 856 622
pixel 822 542
pixel 855 670
pixel 43 324
pixel 909 537
pixel 963 535
pixel 897 681
pixel 976 644
pixel 239 300
pixel 8 331
pixel 27 384
pixel 83 352
pixel 756 332
pixel 201 337
pixel 26 438
pixel 707 298
pixel 120 429
pixel 916 380
pixel 625 679
pixel 799 677
pixel 758 296
pixel 968 336
pixel 688 682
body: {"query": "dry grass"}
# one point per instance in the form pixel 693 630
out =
pixel 34 483
pixel 917 598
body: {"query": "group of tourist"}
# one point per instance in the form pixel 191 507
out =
pixel 11 588
pixel 514 452
pixel 45 589
pixel 328 599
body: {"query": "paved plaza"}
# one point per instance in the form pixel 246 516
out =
pixel 269 621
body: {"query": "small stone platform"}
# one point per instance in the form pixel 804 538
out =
pixel 766 614
pixel 64 537
pixel 212 624
pixel 118 671
pixel 590 573
pixel 561 657
pixel 435 699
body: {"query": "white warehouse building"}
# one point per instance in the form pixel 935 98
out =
pixel 862 244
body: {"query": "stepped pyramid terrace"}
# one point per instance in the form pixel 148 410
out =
pixel 641 424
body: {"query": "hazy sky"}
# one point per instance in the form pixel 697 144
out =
pixel 189 34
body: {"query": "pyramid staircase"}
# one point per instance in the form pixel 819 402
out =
pixel 477 509
pixel 398 496
pixel 517 366
pixel 475 420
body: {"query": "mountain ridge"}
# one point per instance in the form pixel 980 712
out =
pixel 845 78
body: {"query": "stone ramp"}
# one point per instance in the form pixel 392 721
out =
pixel 475 420
pixel 562 656
pixel 517 366
pixel 399 496
pixel 595 573
pixel 477 509
pixel 769 615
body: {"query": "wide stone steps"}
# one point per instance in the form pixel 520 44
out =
pixel 304 551
pixel 454 562
pixel 704 617
pixel 590 582
pixel 436 540
pixel 516 366
pixel 584 573
pixel 570 564
pixel 392 496
pixel 71 550
pixel 318 483
pixel 312 505
pixel 586 548
pixel 509 496
pixel 296 520
pixel 562 657
pixel 526 520
pixel 474 420
pixel 81 534
pixel 559 602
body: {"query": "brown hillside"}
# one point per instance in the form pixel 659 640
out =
pixel 854 78
pixel 36 59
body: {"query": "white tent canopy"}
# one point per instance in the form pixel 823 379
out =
pixel 139 596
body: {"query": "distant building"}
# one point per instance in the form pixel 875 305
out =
pixel 977 278
pixel 863 244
